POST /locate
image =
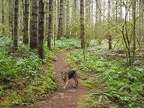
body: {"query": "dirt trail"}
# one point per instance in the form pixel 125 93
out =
pixel 63 98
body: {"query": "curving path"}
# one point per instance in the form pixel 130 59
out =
pixel 68 98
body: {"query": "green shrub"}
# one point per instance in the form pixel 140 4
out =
pixel 123 85
pixel 65 43
pixel 24 78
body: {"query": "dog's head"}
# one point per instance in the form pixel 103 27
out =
pixel 63 75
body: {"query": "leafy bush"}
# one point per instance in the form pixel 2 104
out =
pixel 13 67
pixel 124 85
pixel 24 78
pixel 65 43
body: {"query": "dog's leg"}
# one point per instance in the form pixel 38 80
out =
pixel 66 82
pixel 64 85
pixel 75 79
pixel 76 82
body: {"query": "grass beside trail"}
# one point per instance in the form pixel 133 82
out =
pixel 24 78
pixel 112 84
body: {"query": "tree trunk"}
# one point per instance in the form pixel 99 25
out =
pixel 134 28
pixel 75 8
pixel 3 12
pixel 3 17
pixel 87 10
pixel 97 14
pixel 82 29
pixel 67 18
pixel 34 25
pixel 92 10
pixel 60 23
pixel 26 22
pixel 109 26
pixel 15 37
pixel 56 8
pixel 11 16
pixel 50 23
pixel 110 41
pixel 74 14
pixel 46 17
pixel 41 30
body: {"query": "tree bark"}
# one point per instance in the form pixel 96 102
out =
pixel 82 33
pixel 15 37
pixel 11 16
pixel 3 12
pixel 134 28
pixel 60 23
pixel 3 17
pixel 41 30
pixel 50 23
pixel 26 22
pixel 34 25
pixel 67 18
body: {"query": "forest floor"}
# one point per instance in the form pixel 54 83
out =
pixel 68 98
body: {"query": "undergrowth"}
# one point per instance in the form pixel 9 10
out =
pixel 116 85
pixel 67 44
pixel 23 76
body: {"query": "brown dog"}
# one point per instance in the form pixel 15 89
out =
pixel 66 76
